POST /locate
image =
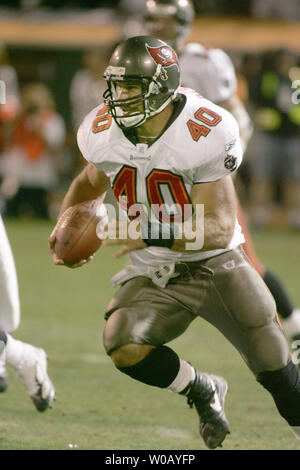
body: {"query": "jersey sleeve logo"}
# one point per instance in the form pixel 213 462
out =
pixel 230 163
pixel 163 55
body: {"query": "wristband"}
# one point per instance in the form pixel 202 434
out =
pixel 154 233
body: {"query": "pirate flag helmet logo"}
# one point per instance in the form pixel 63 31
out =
pixel 163 55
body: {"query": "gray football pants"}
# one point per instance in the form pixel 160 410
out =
pixel 224 290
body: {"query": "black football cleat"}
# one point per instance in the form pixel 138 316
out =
pixel 207 393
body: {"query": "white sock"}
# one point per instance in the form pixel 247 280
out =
pixel 14 352
pixel 186 374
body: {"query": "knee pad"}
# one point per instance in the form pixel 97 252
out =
pixel 277 381
pixel 284 386
pixel 159 368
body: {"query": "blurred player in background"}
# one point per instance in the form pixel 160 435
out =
pixel 211 72
pixel 28 362
pixel 87 85
pixel 86 91
pixel 145 143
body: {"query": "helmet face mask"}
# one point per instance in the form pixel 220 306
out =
pixel 143 78
pixel 128 111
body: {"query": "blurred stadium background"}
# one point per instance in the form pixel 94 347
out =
pixel 54 53
pixel 65 45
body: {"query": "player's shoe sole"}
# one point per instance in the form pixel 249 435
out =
pixel 208 395
pixel 215 430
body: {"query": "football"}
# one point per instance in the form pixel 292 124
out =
pixel 76 237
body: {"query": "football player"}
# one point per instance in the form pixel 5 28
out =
pixel 210 72
pixel 28 362
pixel 156 143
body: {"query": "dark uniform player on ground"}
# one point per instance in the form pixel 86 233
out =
pixel 211 72
pixel 156 143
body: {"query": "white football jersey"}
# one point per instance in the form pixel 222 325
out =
pixel 201 145
pixel 208 71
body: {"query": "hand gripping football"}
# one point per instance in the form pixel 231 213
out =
pixel 76 237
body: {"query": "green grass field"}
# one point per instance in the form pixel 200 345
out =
pixel 99 408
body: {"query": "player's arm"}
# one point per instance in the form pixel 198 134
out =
pixel 219 204
pixel 88 185
pixel 235 106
